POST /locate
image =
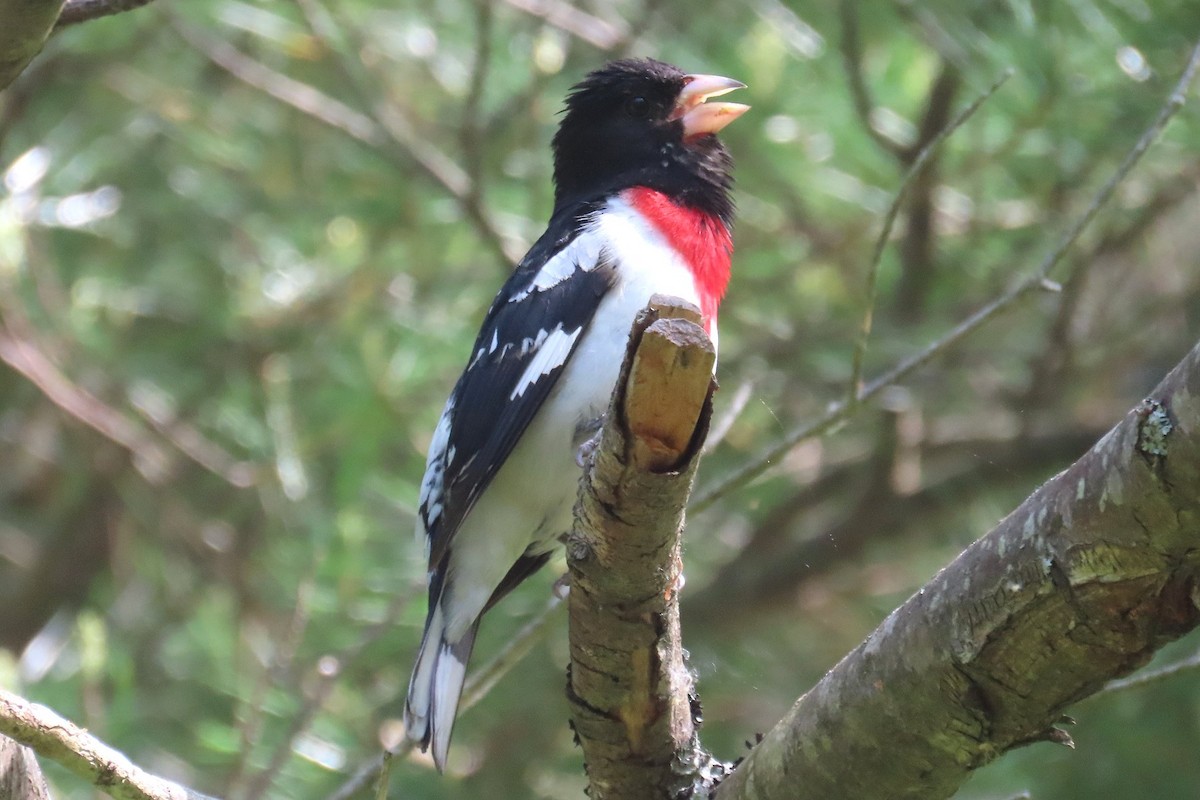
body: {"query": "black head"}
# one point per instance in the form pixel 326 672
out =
pixel 640 122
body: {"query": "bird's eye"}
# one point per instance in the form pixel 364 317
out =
pixel 637 108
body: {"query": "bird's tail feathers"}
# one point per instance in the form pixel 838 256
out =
pixel 436 686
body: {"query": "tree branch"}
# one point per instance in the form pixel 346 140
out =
pixel 599 33
pixel 851 48
pixel 1080 584
pixel 388 132
pixel 31 363
pixel 918 248
pixel 20 776
pixel 77 11
pixel 53 737
pixel 916 170
pixel 628 685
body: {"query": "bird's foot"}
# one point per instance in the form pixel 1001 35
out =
pixel 588 436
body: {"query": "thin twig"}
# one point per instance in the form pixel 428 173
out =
pixel 851 48
pixel 189 440
pixel 721 427
pixel 24 350
pixel 471 119
pixel 321 24
pixel 1152 676
pixel 385 775
pixel 918 245
pixel 346 48
pixel 486 677
pixel 481 682
pixel 25 359
pixel 405 147
pixel 889 220
pixel 324 679
pixel 327 669
pixel 599 33
pixel 366 773
pixel 289 91
pixel 77 11
pixel 1048 368
pixel 150 457
pixel 1038 279
pixel 934 34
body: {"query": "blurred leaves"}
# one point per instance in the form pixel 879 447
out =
pixel 270 309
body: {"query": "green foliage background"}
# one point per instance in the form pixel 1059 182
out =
pixel 229 325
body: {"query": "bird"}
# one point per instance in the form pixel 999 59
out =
pixel 642 205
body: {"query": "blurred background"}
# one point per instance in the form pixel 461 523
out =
pixel 245 246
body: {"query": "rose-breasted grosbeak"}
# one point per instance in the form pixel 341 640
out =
pixel 641 206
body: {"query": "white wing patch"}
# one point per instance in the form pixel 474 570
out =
pixel 435 471
pixel 581 254
pixel 555 347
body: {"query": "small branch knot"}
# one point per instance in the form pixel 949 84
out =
pixel 1154 428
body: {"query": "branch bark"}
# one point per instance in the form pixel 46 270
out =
pixel 20 776
pixel 53 737
pixel 1081 583
pixel 77 11
pixel 628 687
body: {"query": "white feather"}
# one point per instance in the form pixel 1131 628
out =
pixel 448 681
pixel 435 469
pixel 582 253
pixel 555 347
pixel 420 686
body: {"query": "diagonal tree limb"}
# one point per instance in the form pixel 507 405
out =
pixel 53 737
pixel 28 361
pixel 1080 584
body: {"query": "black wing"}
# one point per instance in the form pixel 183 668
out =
pixel 527 337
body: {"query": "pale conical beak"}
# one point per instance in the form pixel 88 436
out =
pixel 699 117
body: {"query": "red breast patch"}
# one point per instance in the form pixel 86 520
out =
pixel 701 239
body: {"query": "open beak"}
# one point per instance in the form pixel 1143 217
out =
pixel 699 117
